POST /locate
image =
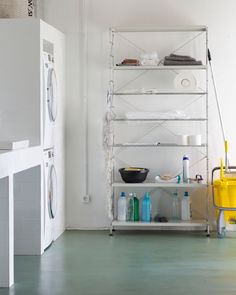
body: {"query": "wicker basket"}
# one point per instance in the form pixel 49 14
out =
pixel 18 8
pixel 5 8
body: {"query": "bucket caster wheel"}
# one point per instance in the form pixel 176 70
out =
pixel 111 232
pixel 208 235
pixel 222 234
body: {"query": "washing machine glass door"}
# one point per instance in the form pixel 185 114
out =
pixel 52 192
pixel 52 94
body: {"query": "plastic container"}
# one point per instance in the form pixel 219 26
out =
pixel 186 175
pixel 122 208
pixel 186 207
pixel 175 206
pixel 146 208
pixel 134 208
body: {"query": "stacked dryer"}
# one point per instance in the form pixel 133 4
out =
pixel 49 120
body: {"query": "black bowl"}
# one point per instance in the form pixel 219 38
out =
pixel 134 176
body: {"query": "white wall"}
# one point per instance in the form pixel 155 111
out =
pixel 66 15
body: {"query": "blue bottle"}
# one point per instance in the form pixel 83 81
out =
pixel 146 208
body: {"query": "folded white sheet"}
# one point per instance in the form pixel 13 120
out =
pixel 172 180
pixel 149 59
pixel 149 62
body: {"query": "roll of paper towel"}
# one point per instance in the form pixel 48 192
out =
pixel 183 139
pixel 195 139
pixel 185 82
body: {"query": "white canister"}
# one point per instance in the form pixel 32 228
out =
pixel 183 139
pixel 195 139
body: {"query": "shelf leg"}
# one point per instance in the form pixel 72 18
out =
pixel 208 231
pixel 111 231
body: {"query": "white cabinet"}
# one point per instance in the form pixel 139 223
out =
pixel 155 142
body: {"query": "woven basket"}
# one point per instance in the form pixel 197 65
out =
pixel 5 8
pixel 18 8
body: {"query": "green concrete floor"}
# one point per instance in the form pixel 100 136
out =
pixel 156 263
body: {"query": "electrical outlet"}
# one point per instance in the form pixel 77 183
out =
pixel 86 199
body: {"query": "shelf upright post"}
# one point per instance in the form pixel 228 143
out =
pixel 207 138
pixel 111 136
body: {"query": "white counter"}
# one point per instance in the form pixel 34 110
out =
pixel 11 163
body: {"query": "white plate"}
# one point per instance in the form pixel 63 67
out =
pixel 185 82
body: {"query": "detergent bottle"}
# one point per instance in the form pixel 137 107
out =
pixel 146 208
pixel 122 207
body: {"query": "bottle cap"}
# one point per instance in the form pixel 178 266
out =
pixel 122 194
pixel 147 195
pixel 186 194
pixel 186 157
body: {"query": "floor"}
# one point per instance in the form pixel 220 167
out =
pixel 165 263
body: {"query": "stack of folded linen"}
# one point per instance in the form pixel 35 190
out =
pixel 181 60
pixel 149 59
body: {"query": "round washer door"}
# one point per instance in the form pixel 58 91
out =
pixel 52 192
pixel 52 94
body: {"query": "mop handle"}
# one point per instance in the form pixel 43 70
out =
pixel 226 155
pixel 216 94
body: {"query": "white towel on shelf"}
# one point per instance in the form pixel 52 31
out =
pixel 149 59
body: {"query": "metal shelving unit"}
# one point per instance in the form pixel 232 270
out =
pixel 114 93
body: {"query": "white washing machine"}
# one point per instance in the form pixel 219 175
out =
pixel 49 101
pixel 50 197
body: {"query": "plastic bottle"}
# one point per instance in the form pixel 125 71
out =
pixel 175 206
pixel 122 207
pixel 129 206
pixel 186 207
pixel 134 208
pixel 146 208
pixel 186 175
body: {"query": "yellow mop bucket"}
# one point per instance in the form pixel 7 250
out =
pixel 225 196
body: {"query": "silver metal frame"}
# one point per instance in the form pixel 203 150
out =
pixel 118 92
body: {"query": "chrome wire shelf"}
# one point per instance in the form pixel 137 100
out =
pixel 159 68
pixel 158 93
pixel 156 145
pixel 170 29
pixel 160 185
pixel 160 120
